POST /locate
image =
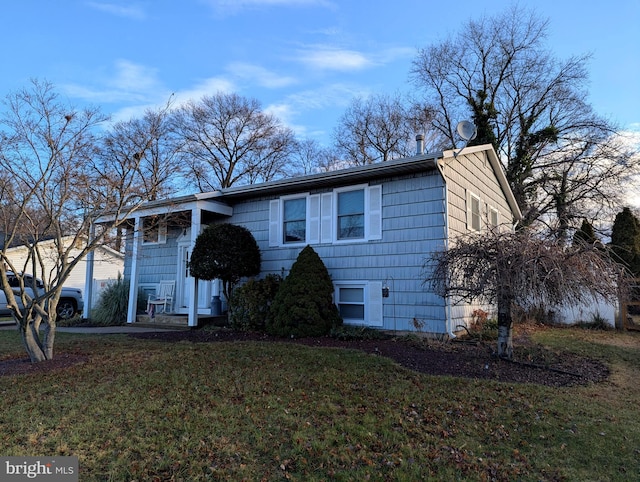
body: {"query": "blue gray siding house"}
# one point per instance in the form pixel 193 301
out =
pixel 373 226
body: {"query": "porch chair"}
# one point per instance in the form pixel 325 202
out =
pixel 163 297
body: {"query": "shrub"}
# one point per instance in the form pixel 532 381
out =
pixel 252 301
pixel 483 327
pixel 225 251
pixel 304 304
pixel 112 305
pixel 597 322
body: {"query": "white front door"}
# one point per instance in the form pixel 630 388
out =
pixel 183 287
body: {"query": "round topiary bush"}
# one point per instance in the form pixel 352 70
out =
pixel 304 304
pixel 225 251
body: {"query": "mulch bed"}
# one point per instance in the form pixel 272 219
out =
pixel 534 363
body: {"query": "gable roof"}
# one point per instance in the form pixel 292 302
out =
pixel 352 175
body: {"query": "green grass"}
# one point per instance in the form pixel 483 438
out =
pixel 147 410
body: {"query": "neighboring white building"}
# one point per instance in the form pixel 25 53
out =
pixel 587 313
pixel 107 264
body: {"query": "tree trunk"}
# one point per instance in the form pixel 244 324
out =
pixel 48 339
pixel 505 331
pixel 31 342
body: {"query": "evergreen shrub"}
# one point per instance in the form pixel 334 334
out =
pixel 304 303
pixel 252 301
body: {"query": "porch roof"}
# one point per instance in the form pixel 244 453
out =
pixel 199 201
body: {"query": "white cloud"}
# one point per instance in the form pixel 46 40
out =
pixel 209 86
pixel 332 58
pixel 259 75
pixel 333 95
pixel 328 98
pixel 394 53
pixel 134 77
pixel 129 82
pixel 129 11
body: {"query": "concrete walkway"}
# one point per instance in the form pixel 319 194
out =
pixel 95 330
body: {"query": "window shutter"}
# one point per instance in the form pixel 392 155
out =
pixel 326 218
pixel 314 219
pixel 274 223
pixel 375 212
pixel 162 232
pixel 375 304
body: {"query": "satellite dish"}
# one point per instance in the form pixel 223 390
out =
pixel 467 130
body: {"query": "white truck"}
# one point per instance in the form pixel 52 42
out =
pixel 70 303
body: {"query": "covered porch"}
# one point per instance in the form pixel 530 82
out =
pixel 193 213
pixel 178 321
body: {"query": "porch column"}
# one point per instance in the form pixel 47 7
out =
pixel 88 277
pixel 133 281
pixel 193 285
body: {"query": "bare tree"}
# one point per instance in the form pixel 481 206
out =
pixel 53 184
pixel 531 107
pixel 148 145
pixel 228 139
pixel 521 269
pixel 310 157
pixel 379 128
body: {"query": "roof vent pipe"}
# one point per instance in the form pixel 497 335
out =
pixel 419 144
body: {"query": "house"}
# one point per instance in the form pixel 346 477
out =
pixel 373 226
pixel 106 265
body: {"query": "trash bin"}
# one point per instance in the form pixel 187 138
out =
pixel 216 306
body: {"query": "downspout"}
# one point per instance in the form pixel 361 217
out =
pixel 448 309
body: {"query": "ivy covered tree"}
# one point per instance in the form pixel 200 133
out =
pixel 625 240
pixel 585 235
pixel 562 160
pixel 304 304
pixel 227 252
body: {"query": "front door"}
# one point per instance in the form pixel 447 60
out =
pixel 183 291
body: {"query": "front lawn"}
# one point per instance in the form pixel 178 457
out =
pixel 153 410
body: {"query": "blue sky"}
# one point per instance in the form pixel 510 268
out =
pixel 304 60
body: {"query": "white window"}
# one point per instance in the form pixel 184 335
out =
pixel 351 214
pixel 357 213
pixel 294 220
pixel 359 303
pixel 344 215
pixel 154 230
pixel 473 213
pixel 351 303
pixel 493 217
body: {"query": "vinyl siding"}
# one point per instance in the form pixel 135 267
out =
pixel 412 226
pixel 402 230
pixel 472 173
pixel 156 261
